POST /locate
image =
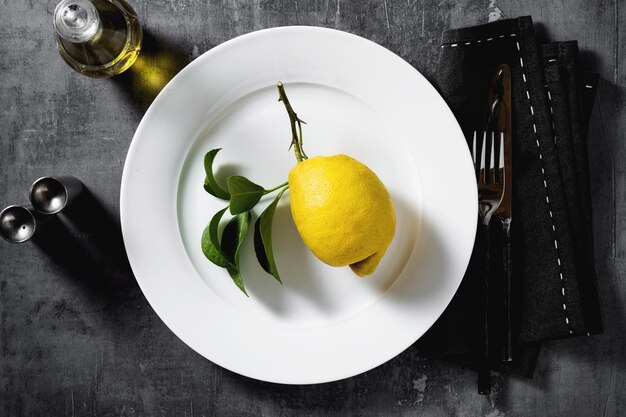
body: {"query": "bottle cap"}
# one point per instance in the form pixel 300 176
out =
pixel 76 20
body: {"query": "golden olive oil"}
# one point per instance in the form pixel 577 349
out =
pixel 98 38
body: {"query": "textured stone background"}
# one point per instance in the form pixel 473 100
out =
pixel 77 337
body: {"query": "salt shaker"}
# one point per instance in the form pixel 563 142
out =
pixel 18 223
pixel 50 195
pixel 98 38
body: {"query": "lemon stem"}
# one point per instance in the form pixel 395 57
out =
pixel 286 183
pixel 296 139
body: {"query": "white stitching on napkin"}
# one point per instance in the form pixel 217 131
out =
pixel 553 228
pixel 551 114
pixel 543 172
pixel 453 45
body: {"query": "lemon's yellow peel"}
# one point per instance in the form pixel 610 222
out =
pixel 368 265
pixel 342 211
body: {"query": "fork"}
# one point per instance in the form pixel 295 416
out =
pixel 490 193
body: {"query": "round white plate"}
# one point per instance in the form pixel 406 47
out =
pixel 358 98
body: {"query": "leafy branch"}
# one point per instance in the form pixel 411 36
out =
pixel 243 195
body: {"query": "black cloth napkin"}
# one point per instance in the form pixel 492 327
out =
pixel 554 281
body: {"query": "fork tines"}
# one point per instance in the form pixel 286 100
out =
pixel 488 174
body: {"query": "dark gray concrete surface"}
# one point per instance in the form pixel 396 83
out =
pixel 77 337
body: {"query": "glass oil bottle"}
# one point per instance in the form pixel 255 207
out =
pixel 98 38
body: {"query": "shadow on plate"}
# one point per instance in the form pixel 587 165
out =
pixel 430 262
pixel 225 171
pixel 301 278
pixel 295 256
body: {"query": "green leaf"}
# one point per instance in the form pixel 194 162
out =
pixel 232 238
pixel 210 185
pixel 235 274
pixel 211 244
pixel 263 238
pixel 244 194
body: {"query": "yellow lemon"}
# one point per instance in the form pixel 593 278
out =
pixel 342 211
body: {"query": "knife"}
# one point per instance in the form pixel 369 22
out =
pixel 501 122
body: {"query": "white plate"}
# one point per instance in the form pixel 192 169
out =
pixel 357 98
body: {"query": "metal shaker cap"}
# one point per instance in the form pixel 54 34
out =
pixel 17 224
